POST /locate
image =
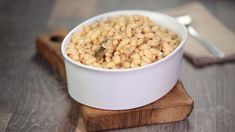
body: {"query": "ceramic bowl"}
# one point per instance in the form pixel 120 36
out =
pixel 120 89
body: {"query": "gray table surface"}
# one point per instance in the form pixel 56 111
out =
pixel 32 98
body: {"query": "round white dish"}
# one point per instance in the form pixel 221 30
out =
pixel 120 89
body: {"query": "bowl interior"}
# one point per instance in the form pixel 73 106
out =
pixel 159 18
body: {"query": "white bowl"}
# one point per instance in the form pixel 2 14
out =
pixel 120 89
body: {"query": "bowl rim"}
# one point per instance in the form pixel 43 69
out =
pixel 97 17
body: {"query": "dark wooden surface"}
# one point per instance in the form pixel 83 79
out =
pixel 33 99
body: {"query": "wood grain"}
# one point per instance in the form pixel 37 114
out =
pixel 4 119
pixel 175 106
pixel 52 42
pixel 38 102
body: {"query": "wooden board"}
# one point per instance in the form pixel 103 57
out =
pixel 175 106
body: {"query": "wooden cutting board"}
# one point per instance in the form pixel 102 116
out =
pixel 174 106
